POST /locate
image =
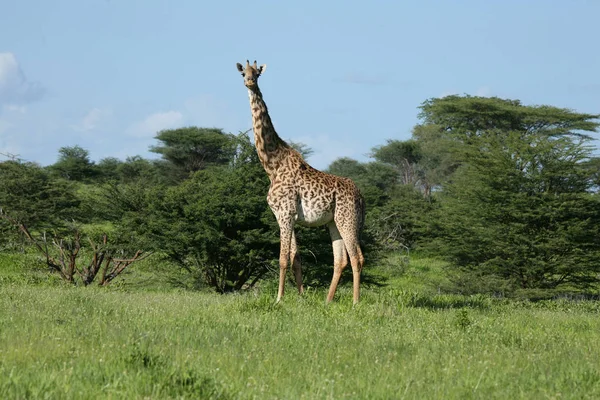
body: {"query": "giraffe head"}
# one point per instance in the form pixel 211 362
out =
pixel 251 73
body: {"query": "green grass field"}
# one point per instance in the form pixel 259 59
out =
pixel 403 341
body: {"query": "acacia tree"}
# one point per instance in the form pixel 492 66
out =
pixel 404 156
pixel 191 149
pixel 33 197
pixel 466 118
pixel 216 223
pixel 518 212
pixel 74 164
pixel 41 208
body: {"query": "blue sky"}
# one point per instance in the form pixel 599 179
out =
pixel 342 76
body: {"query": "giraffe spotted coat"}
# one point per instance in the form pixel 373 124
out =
pixel 302 194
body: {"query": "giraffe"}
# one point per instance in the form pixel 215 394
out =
pixel 302 194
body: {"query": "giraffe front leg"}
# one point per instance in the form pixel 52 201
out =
pixel 285 238
pixel 296 265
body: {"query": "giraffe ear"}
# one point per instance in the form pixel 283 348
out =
pixel 239 67
pixel 262 68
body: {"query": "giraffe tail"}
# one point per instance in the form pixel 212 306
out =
pixel 361 212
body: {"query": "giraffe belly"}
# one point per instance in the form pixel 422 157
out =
pixel 308 214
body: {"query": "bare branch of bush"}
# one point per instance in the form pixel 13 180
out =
pixel 63 255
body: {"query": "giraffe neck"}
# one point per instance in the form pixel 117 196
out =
pixel 269 146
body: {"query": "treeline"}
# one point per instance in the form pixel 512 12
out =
pixel 508 194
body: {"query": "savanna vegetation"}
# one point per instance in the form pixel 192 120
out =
pixel 155 278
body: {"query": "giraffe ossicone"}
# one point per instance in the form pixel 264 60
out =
pixel 304 195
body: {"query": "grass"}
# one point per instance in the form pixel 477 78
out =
pixel 400 342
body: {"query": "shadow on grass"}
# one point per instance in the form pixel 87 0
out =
pixel 177 383
pixel 319 276
pixel 444 302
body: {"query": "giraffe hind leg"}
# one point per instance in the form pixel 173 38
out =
pixel 356 261
pixel 340 259
pixel 348 229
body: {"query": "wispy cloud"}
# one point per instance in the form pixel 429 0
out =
pixel 211 112
pixel 359 78
pixel 590 87
pixel 16 109
pixel 326 150
pixel 483 91
pixel 91 120
pixel 15 88
pixel 154 123
pixel 448 93
pixel 4 126
pixel 9 147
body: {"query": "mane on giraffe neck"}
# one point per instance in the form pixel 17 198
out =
pixel 270 147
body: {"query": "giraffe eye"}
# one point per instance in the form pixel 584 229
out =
pixel 243 74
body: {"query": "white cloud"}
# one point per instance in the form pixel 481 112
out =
pixel 156 122
pixel 8 144
pixel 326 150
pixel 4 126
pixel 360 78
pixel 483 91
pixel 15 108
pixel 448 93
pixel 15 88
pixel 211 112
pixel 91 120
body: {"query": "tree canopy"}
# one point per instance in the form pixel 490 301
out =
pixel 506 193
pixel 519 209
pixel 192 149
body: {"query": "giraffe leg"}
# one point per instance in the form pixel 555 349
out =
pixel 348 229
pixel 340 259
pixel 356 271
pixel 296 265
pixel 285 236
pixel 356 260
